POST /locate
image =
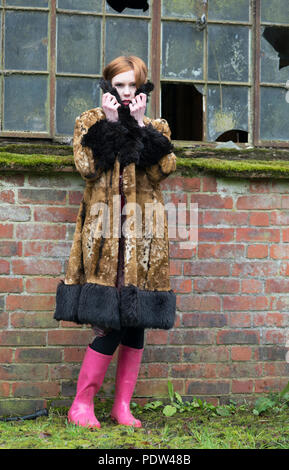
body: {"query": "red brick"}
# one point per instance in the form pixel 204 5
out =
pixel 216 234
pixel 35 389
pixel 209 184
pixel 7 196
pixel 251 286
pixel 158 370
pixel 40 231
pixel 6 355
pixel 285 235
pixel 41 196
pixel 259 219
pixel 206 268
pixel 225 218
pixel 191 336
pixel 200 303
pixel 285 202
pixel 242 386
pixel 239 319
pixel 182 286
pixel 279 217
pixel 68 337
pixel 220 251
pixel 30 302
pixel 56 214
pixel 36 266
pixel 11 284
pixel 277 285
pixel 238 337
pixel 6 230
pixel 217 285
pixel 4 267
pixel 275 337
pixel 194 370
pixel 47 250
pixel 257 234
pixel 257 251
pixel 257 268
pixel 204 320
pixel 268 385
pixel 245 302
pixel 260 187
pixel 241 353
pixel 279 251
pixel 175 267
pixel 75 197
pixel 215 201
pixel 259 202
pixel 42 284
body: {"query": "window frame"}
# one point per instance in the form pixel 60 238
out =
pixel 155 56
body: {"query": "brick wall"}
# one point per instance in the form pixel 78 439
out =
pixel 229 339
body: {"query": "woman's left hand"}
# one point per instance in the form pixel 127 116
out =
pixel 137 108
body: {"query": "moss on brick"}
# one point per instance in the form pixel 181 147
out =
pixel 191 161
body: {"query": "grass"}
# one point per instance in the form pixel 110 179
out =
pixel 179 425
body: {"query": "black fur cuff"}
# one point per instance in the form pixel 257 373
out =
pixel 155 146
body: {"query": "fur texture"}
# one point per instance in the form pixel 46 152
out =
pixel 67 299
pixel 125 139
pixel 99 305
pixel 142 308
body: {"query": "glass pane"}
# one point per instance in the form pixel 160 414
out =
pixel 128 11
pixel 182 9
pixel 228 53
pixel 227 109
pixel 275 11
pixel 25 103
pixel 28 3
pixel 73 97
pixel 229 10
pixel 78 44
pixel 26 40
pixel 182 51
pixel 273 54
pixel 274 114
pixel 84 5
pixel 126 37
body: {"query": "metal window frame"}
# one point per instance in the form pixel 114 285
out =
pixel 155 58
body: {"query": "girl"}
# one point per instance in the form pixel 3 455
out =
pixel 118 282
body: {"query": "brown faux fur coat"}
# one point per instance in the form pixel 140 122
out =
pixel 92 291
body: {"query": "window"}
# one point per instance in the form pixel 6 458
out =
pixel 220 67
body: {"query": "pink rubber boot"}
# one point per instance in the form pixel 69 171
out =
pixel 128 366
pixel 91 375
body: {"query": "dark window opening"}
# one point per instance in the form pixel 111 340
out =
pixel 278 37
pixel 235 135
pixel 183 108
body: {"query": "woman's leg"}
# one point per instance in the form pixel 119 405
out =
pixel 128 365
pixel 93 369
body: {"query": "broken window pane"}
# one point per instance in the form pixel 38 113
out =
pixel 25 103
pixel 182 51
pixel 274 114
pixel 228 53
pixel 128 11
pixel 126 37
pixel 78 44
pixel 229 10
pixel 275 11
pixel 274 54
pixel 182 9
pixel 74 96
pixel 227 109
pixel 83 5
pixel 26 39
pixel 27 3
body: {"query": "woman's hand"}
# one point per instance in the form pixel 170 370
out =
pixel 137 108
pixel 110 106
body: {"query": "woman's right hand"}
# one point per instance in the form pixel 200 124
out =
pixel 110 106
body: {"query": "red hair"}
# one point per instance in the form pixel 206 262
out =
pixel 124 64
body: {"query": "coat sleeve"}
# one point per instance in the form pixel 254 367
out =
pixel 83 157
pixel 167 164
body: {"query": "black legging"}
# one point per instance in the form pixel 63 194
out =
pixel 106 342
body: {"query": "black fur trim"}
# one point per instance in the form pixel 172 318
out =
pixel 155 146
pixel 67 298
pixel 99 305
pixel 147 309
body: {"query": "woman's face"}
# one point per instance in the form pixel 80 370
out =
pixel 125 86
